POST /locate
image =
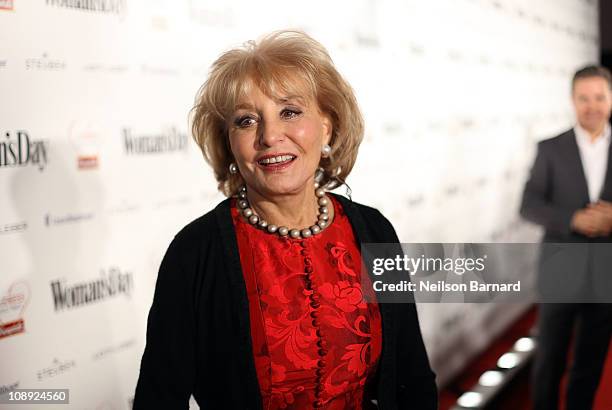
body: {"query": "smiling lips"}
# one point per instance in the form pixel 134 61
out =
pixel 275 162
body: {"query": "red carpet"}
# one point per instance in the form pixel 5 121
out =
pixel 516 395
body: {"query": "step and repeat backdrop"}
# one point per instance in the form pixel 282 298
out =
pixel 98 170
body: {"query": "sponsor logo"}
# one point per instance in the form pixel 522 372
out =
pixel 101 354
pixel 2 64
pixel 44 63
pixel 207 13
pixel 153 70
pixel 5 388
pixel 123 208
pixel 13 227
pixel 95 6
pixel 67 218
pixel 105 68
pixel 19 150
pixel 160 14
pixel 57 368
pixel 451 190
pixel 415 200
pixel 168 141
pixel 112 283
pixel 6 4
pixel 87 161
pixel 183 200
pixel 12 306
pixel 85 137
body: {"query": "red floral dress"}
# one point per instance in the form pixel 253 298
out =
pixel 316 342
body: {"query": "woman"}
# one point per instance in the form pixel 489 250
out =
pixel 260 303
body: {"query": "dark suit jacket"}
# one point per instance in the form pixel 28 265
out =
pixel 198 331
pixel 556 189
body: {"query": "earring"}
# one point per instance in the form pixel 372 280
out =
pixel 325 151
pixel 233 168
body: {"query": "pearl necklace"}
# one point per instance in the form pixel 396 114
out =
pixel 322 222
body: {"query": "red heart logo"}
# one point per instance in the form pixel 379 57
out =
pixel 14 302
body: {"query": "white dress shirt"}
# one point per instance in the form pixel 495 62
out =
pixel 594 157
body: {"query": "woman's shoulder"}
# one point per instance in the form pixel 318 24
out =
pixel 204 228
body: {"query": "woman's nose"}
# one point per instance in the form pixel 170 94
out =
pixel 270 133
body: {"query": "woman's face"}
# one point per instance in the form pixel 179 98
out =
pixel 277 142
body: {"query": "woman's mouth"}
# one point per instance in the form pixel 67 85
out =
pixel 276 162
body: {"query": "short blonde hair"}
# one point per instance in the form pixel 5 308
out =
pixel 283 61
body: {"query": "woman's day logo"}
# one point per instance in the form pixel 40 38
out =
pixel 12 306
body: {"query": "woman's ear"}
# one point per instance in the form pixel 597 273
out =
pixel 328 128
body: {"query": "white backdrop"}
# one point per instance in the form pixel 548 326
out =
pixel 98 170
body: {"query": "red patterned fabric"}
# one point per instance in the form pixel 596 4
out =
pixel 315 340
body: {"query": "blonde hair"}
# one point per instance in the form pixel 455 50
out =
pixel 288 61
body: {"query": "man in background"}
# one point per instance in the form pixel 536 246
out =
pixel 569 193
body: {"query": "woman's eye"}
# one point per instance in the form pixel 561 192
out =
pixel 290 113
pixel 244 122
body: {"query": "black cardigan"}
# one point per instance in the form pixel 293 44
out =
pixel 198 330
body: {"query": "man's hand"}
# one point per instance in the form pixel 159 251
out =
pixel 594 220
pixel 605 208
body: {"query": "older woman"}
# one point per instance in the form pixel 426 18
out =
pixel 260 303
